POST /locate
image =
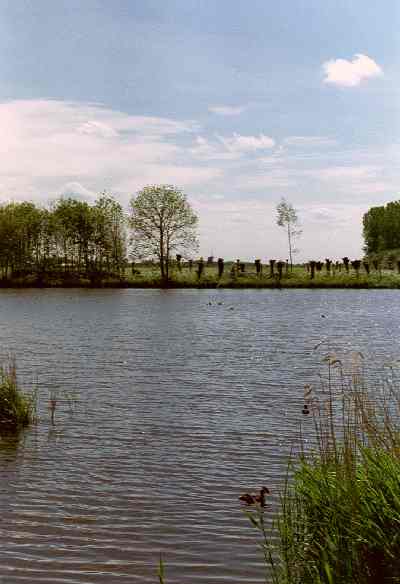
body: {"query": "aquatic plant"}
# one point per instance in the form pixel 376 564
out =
pixel 17 409
pixel 161 571
pixel 340 511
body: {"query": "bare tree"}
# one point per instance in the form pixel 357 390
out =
pixel 287 218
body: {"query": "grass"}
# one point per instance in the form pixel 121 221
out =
pixel 148 276
pixel 17 410
pixel 339 521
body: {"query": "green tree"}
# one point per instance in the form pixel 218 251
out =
pixel 287 218
pixel 162 223
pixel 109 235
pixel 381 228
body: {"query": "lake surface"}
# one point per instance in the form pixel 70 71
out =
pixel 167 409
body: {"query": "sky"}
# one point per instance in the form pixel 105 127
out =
pixel 236 102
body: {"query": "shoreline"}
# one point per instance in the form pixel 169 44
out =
pixel 206 285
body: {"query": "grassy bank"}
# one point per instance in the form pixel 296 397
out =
pixel 298 278
pixel 148 276
pixel 17 409
pixel 340 510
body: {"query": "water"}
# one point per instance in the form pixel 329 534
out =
pixel 168 408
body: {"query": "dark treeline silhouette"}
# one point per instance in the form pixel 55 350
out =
pixel 70 239
pixel 381 228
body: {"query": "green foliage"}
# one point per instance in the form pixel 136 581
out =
pixel 340 510
pixel 163 224
pixel 381 228
pixel 16 409
pixel 71 240
pixel 341 523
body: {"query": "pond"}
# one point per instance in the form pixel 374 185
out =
pixel 169 405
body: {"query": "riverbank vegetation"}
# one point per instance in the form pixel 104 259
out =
pixel 203 274
pixel 246 275
pixel 72 243
pixel 17 409
pixel 339 518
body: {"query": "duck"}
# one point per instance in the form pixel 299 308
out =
pixel 261 497
pixel 247 498
pixel 253 499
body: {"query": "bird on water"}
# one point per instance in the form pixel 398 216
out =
pixel 253 499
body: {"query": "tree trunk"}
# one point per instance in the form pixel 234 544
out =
pixel 290 247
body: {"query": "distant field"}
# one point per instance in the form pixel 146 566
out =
pixel 298 278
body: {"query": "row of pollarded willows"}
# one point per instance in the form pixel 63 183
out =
pixel 17 409
pixel 333 267
pixel 340 509
pixel 223 272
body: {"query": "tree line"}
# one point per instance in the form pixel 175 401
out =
pixel 72 239
pixel 69 238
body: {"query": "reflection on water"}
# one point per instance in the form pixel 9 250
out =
pixel 167 409
pixel 9 443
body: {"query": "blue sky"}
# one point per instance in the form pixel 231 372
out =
pixel 238 103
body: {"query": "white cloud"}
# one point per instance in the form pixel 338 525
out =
pixel 239 143
pixel 226 110
pixel 262 181
pixel 350 73
pixel 77 191
pixel 48 145
pixel 310 141
pixel 98 129
pixel 208 150
pixel 340 173
pixel 230 147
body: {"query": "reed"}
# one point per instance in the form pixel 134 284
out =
pixel 339 519
pixel 17 409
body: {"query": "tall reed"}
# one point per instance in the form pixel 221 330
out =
pixel 17 409
pixel 339 520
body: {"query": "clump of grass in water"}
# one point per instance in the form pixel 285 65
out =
pixel 339 521
pixel 17 410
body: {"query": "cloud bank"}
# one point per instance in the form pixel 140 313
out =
pixel 51 148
